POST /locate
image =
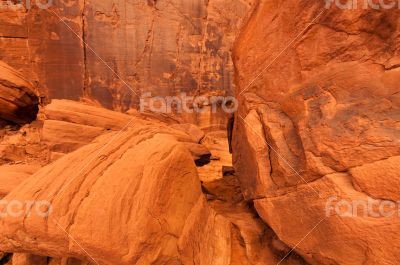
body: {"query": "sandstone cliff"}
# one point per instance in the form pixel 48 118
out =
pixel 164 47
pixel 319 117
pixel 316 141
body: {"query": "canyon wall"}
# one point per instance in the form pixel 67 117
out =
pixel 164 47
pixel 316 141
pixel 318 127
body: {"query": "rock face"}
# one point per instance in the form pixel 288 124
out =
pixel 164 47
pixel 37 43
pixel 19 103
pixel 318 130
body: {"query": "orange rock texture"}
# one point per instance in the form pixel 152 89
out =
pixel 144 186
pixel 113 51
pixel 88 177
pixel 125 189
pixel 319 118
pixel 19 101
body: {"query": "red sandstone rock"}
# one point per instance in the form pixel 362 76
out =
pixel 317 126
pixel 13 175
pixel 64 118
pixel 27 259
pixel 217 143
pixel 164 47
pixel 325 112
pixel 144 179
pixel 69 125
pixel 18 99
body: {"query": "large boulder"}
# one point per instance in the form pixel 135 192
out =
pixel 68 125
pixel 129 197
pixel 19 103
pixel 317 135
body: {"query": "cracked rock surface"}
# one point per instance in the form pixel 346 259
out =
pixel 111 52
pixel 319 128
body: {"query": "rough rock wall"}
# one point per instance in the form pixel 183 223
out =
pixel 35 42
pixel 14 39
pixel 319 117
pixel 163 46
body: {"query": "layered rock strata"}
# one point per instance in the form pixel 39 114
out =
pixel 19 102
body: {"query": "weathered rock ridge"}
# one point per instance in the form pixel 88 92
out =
pixel 318 127
pixel 19 102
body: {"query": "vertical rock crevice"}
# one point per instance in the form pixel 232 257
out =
pixel 84 46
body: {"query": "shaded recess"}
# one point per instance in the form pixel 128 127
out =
pixel 19 103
